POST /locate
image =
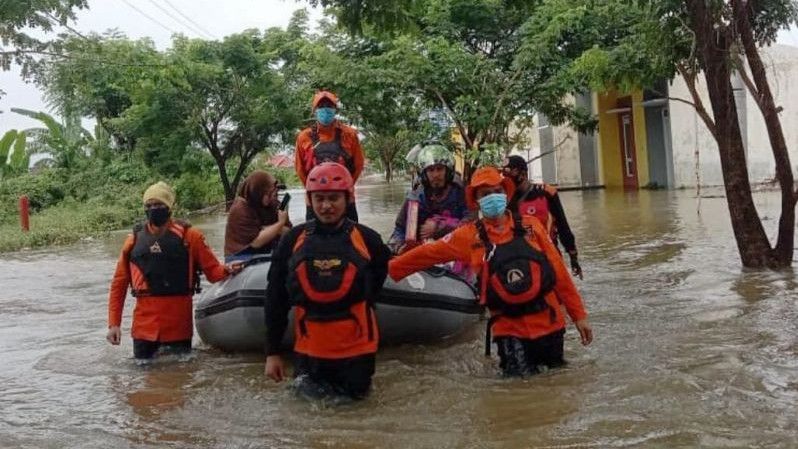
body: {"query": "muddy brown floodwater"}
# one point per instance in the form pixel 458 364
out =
pixel 690 351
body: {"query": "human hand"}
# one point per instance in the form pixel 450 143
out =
pixel 234 268
pixel 275 368
pixel 282 217
pixel 576 269
pixel 585 331
pixel 114 335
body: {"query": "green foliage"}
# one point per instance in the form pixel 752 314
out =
pixel 64 144
pixel 14 158
pixel 66 223
pixel 195 191
pixel 19 18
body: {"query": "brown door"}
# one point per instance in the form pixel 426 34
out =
pixel 627 137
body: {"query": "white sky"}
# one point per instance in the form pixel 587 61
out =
pixel 213 16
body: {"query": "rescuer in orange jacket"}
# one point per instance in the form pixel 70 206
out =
pixel 330 269
pixel 541 201
pixel 160 262
pixel 523 281
pixel 328 140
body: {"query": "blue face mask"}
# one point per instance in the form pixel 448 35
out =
pixel 325 116
pixel 493 205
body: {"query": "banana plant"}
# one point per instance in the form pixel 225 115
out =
pixel 14 158
pixel 64 143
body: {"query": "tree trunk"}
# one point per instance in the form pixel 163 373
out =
pixel 782 254
pixel 388 171
pixel 714 47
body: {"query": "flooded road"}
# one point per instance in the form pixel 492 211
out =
pixel 690 351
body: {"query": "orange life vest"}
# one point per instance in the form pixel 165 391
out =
pixel 329 282
pixel 161 265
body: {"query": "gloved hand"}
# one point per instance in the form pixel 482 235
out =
pixel 537 188
pixel 576 269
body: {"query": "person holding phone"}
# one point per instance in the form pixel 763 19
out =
pixel 256 219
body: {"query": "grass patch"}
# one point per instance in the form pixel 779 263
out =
pixel 65 224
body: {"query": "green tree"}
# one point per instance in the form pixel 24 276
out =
pixel 461 56
pixel 98 78
pixel 239 104
pixel 621 45
pixel 19 18
pixel 565 46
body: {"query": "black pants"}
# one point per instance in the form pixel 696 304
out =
pixel 327 378
pixel 524 357
pixel 144 349
pixel 351 212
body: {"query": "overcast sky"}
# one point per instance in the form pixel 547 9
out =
pixel 158 20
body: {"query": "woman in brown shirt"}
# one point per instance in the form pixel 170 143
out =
pixel 254 222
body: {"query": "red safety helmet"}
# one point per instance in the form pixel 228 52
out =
pixel 321 95
pixel 330 176
pixel 487 177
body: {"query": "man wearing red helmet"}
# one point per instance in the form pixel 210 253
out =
pixel 328 140
pixel 522 278
pixel 330 270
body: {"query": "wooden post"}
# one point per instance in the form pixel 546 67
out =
pixel 24 213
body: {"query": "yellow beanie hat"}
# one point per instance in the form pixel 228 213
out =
pixel 162 192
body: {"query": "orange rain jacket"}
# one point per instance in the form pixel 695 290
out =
pixel 162 318
pixel 465 245
pixel 349 142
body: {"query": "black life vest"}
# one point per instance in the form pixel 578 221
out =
pixel 516 277
pixel 164 261
pixel 331 151
pixel 327 275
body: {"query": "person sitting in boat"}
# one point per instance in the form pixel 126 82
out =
pixel 160 262
pixel 255 221
pixel 330 269
pixel 541 201
pixel 435 207
pixel 522 278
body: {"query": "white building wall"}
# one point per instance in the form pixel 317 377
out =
pixel 528 146
pixel 690 135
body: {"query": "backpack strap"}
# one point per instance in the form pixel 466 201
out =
pixel 518 225
pixel 490 248
pixel 314 135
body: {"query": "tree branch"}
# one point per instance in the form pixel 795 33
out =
pixel 689 79
pixel 457 121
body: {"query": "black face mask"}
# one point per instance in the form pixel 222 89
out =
pixel 158 216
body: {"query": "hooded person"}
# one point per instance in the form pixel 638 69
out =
pixel 541 201
pixel 522 279
pixel 254 221
pixel 328 140
pixel 161 262
pixel 330 270
pixel 435 207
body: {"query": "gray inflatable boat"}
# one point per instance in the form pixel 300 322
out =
pixel 425 307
